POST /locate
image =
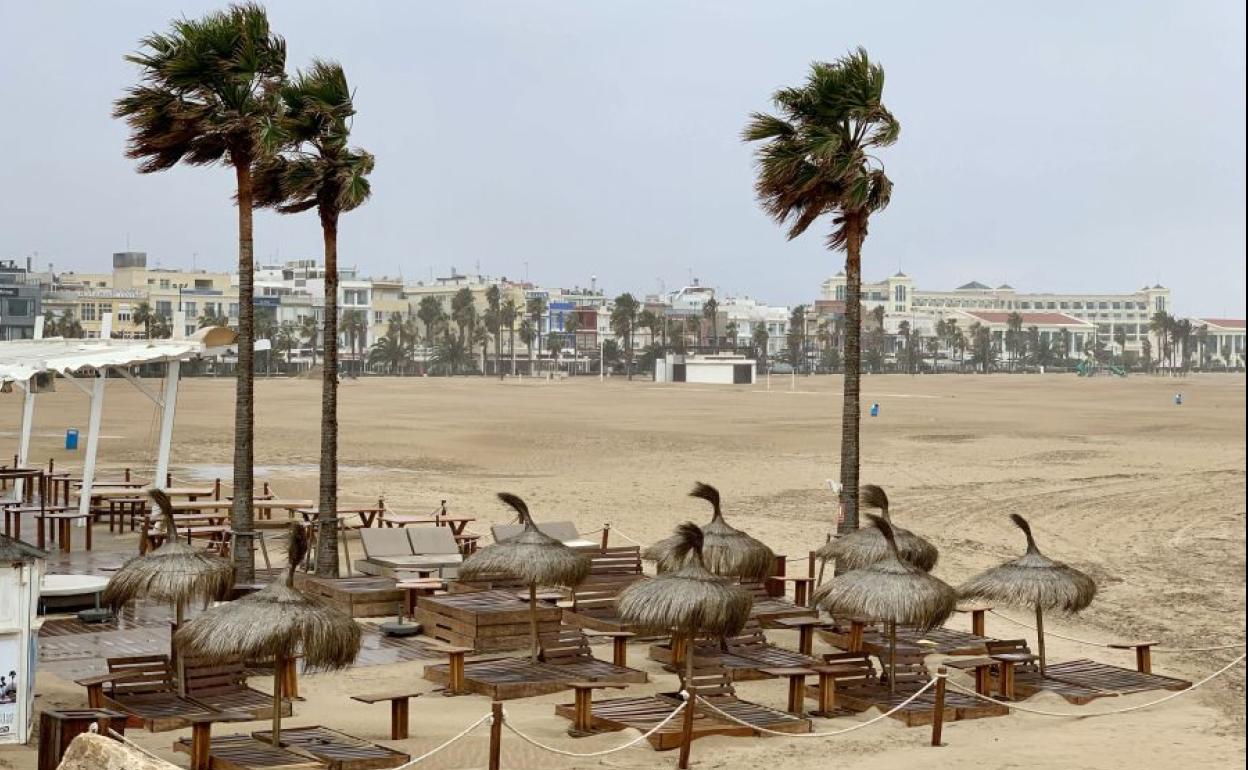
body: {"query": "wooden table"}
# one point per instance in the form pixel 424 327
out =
pixel 797 686
pixel 368 514
pixel 805 631
pixel 619 644
pixel 201 735
pixel 801 588
pixel 456 523
pixel 422 586
pixel 1143 654
pixel 190 492
pixel 31 476
pixel 455 671
pixel 265 508
pixel 201 505
pixel 1007 663
pixel 398 709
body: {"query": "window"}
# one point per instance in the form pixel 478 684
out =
pixel 1064 305
pixel 164 283
pixel 1078 306
pixel 378 317
pixel 1025 305
pixel 1159 304
pixel 105 307
pixel 19 307
pixel 88 311
pixel 189 308
pixel 190 330
pixel 1103 305
pixel 203 283
pixel 1050 305
pixel 123 312
pixel 840 293
pixel 899 293
pixel 234 310
pixel 1117 306
pixel 164 308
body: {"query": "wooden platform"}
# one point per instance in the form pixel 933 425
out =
pixel 486 621
pixel 359 597
pixel 1082 681
pixel 243 752
pixel 747 653
pixel 504 678
pixel 942 641
pixel 335 750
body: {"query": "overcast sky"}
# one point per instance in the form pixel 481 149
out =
pixel 1058 146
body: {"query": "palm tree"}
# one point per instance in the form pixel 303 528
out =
pixel 675 331
pixel 308 329
pixel 208 95
pixel 390 353
pixel 528 335
pixel 349 326
pixel 210 318
pixel 429 312
pixel 818 160
pixel 162 328
pixel 69 327
pixel 1120 339
pixel 759 338
pixel 554 345
pixel 572 325
pixel 494 322
pixel 730 333
pixel 287 339
pixel 1160 324
pixel 624 324
pixel 960 344
pixel 266 329
pixel 481 334
pixel 144 316
pixel 507 316
pixel 49 324
pixel 1013 336
pixel 464 313
pixel 983 353
pixel 1182 342
pixel 1146 351
pixel 648 320
pixel 450 355
pixel 710 311
pixel 1202 346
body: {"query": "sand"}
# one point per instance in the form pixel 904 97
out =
pixel 1146 496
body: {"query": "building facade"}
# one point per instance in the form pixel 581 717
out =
pixel 21 301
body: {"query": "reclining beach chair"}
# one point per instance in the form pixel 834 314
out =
pixel 389 551
pixel 569 652
pixel 563 531
pixel 224 688
pixel 144 688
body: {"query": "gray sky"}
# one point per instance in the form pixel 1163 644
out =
pixel 1063 146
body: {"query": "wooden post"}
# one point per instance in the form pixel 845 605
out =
pixel 398 719
pixel 855 635
pixel 619 651
pixel 533 622
pixel 496 735
pixel 606 533
pixel 978 626
pixel 1040 636
pixel 279 666
pixel 201 743
pixel 686 730
pixel 892 657
pixel 290 679
pixel 1144 659
pixel 938 710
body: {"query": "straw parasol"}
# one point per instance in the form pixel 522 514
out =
pixel 532 556
pixel 1032 580
pixel 688 600
pixel 866 546
pixel 889 590
pixel 275 623
pixel 176 572
pixel 726 550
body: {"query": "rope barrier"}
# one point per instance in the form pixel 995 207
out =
pixel 1113 646
pixel 533 741
pixel 931 683
pixel 1125 710
pixel 462 733
pixel 615 530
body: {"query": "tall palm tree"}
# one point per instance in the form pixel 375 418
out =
pixel 207 95
pixel 759 338
pixel 554 345
pixel 817 159
pixel 390 353
pixel 144 316
pixel 1014 336
pixel 266 329
pixel 450 355
pixel 287 339
pixel 481 333
pixel 49 324
pixel 730 333
pixel 429 312
pixel 624 324
pixel 507 315
pixel 572 325
pixel 464 314
pixel 494 322
pixel 1120 339
pixel 528 335
pixel 308 330
pixel 69 327
pixel 710 311
pixel 1160 325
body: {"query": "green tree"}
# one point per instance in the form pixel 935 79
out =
pixel 760 338
pixel 494 323
pixel 390 353
pixel 1146 351
pixel 464 314
pixel 1014 341
pixel 286 339
pixel 797 338
pixel 554 346
pixel 983 352
pixel 624 324
pixel 819 158
pixel 208 95
pixel 507 316
pixel 144 316
pixel 266 329
pixel 308 330
pixel 572 325
pixel 731 330
pixel 49 324
pixel 710 311
pixel 1120 339
pixel 450 355
pixel 650 321
pixel 528 335
pixel 1162 325
pixel 429 311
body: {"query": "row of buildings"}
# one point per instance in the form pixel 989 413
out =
pixel 292 292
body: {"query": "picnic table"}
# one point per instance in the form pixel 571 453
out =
pixel 367 513
pixel 456 523
pixel 202 505
pixel 264 508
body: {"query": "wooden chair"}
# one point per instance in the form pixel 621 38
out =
pixel 713 683
pixel 569 651
pixel 144 688
pixel 224 688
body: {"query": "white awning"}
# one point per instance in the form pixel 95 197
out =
pixel 22 359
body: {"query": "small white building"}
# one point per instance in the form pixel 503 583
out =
pixel 21 572
pixel 714 369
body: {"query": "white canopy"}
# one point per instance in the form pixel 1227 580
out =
pixel 22 359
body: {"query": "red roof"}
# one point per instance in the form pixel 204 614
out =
pixel 1225 323
pixel 1029 319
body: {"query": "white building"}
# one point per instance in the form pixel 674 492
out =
pixel 748 314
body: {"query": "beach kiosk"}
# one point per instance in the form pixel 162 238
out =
pixel 710 369
pixel 21 572
pixel 85 364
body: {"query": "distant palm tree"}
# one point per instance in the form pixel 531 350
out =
pixel 49 324
pixel 144 316
pixel 730 333
pixel 1183 331
pixel 1146 351
pixel 1161 324
pixel 818 158
pixel 450 355
pixel 390 353
pixel 162 328
pixel 572 325
pixel 481 334
pixel 710 311
pixel 528 335
pixel 759 337
pixel 983 353
pixel 494 323
pixel 429 312
pixel 1120 339
pixel 308 329
pixel 624 324
pixel 554 345
pixel 266 329
pixel 209 95
pixel 69 327
pixel 1014 342
pixel 354 326
pixel 507 316
pixel 464 314
pixel 647 319
pixel 287 339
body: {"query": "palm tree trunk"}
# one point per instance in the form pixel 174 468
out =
pixel 327 498
pixel 850 414
pixel 244 401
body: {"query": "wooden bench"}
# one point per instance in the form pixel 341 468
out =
pixel 1143 654
pixel 399 701
pixel 144 688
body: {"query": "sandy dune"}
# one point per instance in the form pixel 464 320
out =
pixel 1146 496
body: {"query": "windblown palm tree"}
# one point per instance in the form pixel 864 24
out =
pixel 144 316
pixel 494 323
pixel 507 315
pixel 624 324
pixel 450 355
pixel 817 160
pixel 528 335
pixel 308 331
pixel 207 96
pixel 760 338
pixel 572 325
pixel 464 314
pixel 710 311
pixel 554 345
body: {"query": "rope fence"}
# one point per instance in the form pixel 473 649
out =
pixel 458 736
pixel 533 741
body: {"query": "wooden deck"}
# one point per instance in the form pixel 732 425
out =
pixel 335 750
pixel 1082 681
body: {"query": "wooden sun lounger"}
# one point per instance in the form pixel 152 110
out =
pixel 855 686
pixel 569 652
pixel 1024 678
pixel 644 713
pixel 714 683
pixel 243 752
pixel 611 570
pixel 224 688
pixel 338 751
pixel 768 608
pixel 143 687
pixel 942 641
pixel 747 655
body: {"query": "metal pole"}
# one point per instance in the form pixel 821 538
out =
pixel 169 407
pixel 93 445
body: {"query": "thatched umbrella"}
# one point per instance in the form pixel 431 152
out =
pixel 1032 580
pixel 176 572
pixel 889 590
pixel 275 623
pixel 532 556
pixel 726 550
pixel 688 601
pixel 866 546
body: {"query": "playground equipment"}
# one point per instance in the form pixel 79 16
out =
pixel 1091 369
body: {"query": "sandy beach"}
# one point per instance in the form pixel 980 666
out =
pixel 1145 496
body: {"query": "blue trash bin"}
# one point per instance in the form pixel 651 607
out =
pixel 875 410
pixel 71 439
